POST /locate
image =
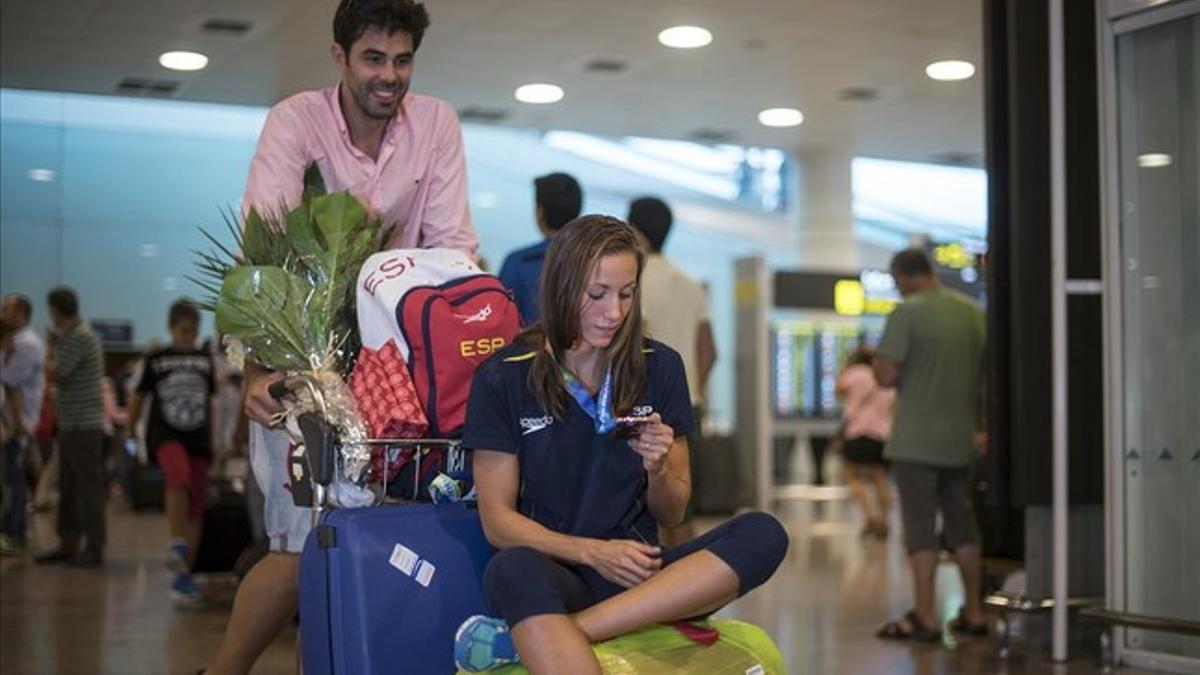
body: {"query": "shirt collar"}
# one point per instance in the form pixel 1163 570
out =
pixel 333 99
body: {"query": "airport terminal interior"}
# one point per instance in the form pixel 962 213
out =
pixel 929 260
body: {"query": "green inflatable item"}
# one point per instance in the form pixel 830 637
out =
pixel 742 649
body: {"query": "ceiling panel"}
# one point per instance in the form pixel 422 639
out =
pixel 765 53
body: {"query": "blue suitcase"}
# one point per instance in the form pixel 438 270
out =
pixel 382 590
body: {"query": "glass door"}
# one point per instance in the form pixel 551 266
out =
pixel 1157 69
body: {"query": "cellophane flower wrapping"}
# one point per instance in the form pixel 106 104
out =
pixel 286 299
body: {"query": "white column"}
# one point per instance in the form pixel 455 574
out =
pixel 826 215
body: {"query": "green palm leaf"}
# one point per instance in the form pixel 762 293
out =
pixel 288 292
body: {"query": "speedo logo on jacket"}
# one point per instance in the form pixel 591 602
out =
pixel 532 424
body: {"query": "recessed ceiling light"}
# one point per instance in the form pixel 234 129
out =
pixel 183 60
pixel 539 93
pixel 950 71
pixel 1154 160
pixel 780 117
pixel 685 37
pixel 42 175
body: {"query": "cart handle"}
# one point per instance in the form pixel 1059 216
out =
pixel 319 436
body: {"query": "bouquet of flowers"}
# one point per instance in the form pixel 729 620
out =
pixel 286 299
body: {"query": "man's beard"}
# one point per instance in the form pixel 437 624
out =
pixel 370 108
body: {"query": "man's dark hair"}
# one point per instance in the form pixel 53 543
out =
pixel 652 217
pixel 64 301
pixel 559 197
pixel 354 17
pixel 911 262
pixel 22 303
pixel 182 310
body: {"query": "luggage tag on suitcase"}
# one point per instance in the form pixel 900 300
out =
pixel 298 478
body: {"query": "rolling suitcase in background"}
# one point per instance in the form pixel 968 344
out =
pixel 716 475
pixel 144 485
pixel 383 590
pixel 226 531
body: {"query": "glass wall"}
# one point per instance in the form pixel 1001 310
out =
pixel 1158 92
pixel 106 194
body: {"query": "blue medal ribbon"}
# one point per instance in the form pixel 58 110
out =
pixel 598 408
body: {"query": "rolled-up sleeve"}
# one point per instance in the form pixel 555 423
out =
pixel 447 219
pixel 276 180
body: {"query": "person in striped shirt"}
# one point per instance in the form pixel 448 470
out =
pixel 76 366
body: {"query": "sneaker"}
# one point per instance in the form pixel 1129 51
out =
pixel 483 643
pixel 11 545
pixel 185 592
pixel 177 556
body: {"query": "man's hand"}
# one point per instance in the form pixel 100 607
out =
pixel 624 562
pixel 981 442
pixel 260 406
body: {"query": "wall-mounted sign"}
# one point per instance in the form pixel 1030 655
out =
pixel 871 292
pixel 113 332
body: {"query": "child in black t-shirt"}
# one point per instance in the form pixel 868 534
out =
pixel 179 381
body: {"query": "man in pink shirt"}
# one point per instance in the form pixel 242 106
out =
pixel 401 155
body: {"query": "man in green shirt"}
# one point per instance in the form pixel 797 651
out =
pixel 76 366
pixel 932 351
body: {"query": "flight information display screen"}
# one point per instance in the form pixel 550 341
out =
pixel 806 360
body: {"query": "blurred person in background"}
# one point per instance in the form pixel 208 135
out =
pixel 179 381
pixel 22 364
pixel 675 310
pixel 226 406
pixel 45 436
pixel 866 424
pixel 932 351
pixel 76 365
pixel 558 199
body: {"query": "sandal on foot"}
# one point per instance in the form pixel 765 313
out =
pixel 960 625
pixel 909 627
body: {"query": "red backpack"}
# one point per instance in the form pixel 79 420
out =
pixel 435 314
pixel 451 329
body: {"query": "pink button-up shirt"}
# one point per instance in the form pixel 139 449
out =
pixel 418 185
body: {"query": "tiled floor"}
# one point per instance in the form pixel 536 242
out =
pixel 822 607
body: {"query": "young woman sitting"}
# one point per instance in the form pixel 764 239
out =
pixel 572 492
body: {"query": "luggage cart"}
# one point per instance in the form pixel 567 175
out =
pixel 312 470
pixel 364 571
